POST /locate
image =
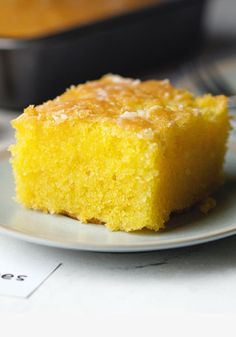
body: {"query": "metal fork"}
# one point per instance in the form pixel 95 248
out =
pixel 209 80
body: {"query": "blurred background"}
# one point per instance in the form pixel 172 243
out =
pixel 216 59
pixel 47 45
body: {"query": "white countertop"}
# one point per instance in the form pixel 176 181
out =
pixel 194 280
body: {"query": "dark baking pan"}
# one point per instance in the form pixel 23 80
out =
pixel 34 70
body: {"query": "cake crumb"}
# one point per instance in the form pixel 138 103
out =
pixel 207 205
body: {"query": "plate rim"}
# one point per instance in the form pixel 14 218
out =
pixel 108 248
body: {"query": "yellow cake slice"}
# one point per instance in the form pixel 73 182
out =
pixel 120 152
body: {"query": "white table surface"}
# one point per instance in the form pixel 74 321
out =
pixel 194 280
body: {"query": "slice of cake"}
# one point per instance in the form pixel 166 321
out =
pixel 120 152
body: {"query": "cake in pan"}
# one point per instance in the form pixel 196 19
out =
pixel 120 152
pixel 28 19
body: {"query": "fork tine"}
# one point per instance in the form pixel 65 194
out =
pixel 219 81
pixel 209 80
pixel 201 82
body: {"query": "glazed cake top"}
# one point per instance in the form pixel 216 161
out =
pixel 147 105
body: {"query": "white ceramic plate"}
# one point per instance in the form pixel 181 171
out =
pixel 186 229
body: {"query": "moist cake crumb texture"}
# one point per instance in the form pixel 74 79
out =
pixel 120 152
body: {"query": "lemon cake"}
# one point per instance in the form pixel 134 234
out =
pixel 120 152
